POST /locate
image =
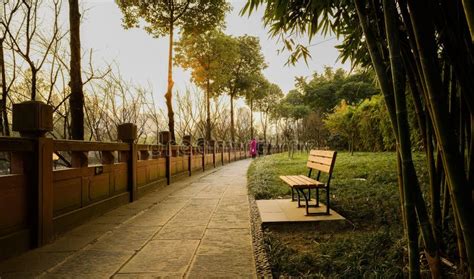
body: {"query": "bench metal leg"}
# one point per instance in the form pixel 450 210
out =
pixel 292 194
pixel 305 199
pixel 317 197
pixel 299 198
pixel 307 205
pixel 327 200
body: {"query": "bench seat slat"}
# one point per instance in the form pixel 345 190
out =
pixel 288 181
pixel 310 180
pixel 297 181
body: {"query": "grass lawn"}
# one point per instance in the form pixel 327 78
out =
pixel 364 190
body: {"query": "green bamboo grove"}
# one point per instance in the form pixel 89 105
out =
pixel 425 49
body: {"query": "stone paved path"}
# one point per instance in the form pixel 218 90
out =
pixel 198 227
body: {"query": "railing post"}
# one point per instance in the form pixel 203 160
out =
pixel 187 141
pixel 165 138
pixel 212 143
pixel 202 147
pixel 33 119
pixel 127 132
pixel 221 147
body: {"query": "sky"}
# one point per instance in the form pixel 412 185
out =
pixel 143 59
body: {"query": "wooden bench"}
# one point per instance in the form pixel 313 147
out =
pixel 320 161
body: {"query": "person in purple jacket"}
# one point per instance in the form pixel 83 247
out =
pixel 253 148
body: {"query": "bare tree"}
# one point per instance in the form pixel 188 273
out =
pixel 7 12
pixel 28 35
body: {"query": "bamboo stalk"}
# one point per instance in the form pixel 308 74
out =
pixel 413 197
pixel 469 10
pixel 452 161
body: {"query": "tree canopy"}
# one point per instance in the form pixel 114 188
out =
pixel 163 18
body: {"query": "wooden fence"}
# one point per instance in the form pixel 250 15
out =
pixel 52 186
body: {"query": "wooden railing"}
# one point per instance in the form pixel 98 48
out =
pixel 52 186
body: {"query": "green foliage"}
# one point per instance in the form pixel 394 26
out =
pixel 364 126
pixel 342 122
pixel 286 19
pixel 269 102
pixel 246 67
pixel 349 106
pixel 209 56
pixel 258 90
pixel 367 254
pixel 365 191
pixel 190 15
pixel 324 91
pixel 373 125
pixel 293 106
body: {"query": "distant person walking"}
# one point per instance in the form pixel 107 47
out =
pixel 253 148
pixel 260 147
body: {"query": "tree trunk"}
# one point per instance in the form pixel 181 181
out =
pixel 34 78
pixel 208 108
pixel 5 128
pixel 265 124
pixel 76 100
pixel 251 118
pixel 169 91
pixel 232 130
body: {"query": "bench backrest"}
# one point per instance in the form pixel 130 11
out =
pixel 322 160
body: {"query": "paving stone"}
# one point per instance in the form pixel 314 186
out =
pixel 111 219
pixel 226 251
pixel 212 191
pixel 226 274
pixel 144 276
pixel 156 216
pixel 32 262
pixel 204 202
pixel 231 192
pixel 89 229
pixel 70 242
pixel 180 232
pixel 194 215
pixel 124 211
pixel 124 239
pixel 163 257
pixel 190 191
pixel 91 263
pixel 230 220
pixel 22 275
pixel 138 205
